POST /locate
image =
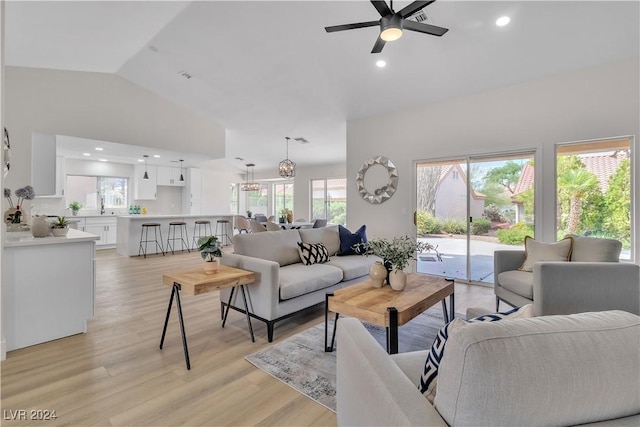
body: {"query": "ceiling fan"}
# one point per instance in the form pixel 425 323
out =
pixel 392 23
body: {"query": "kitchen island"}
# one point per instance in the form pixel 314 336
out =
pixel 48 286
pixel 130 227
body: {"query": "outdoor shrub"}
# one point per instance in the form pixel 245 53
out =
pixel 454 226
pixel 427 224
pixel 480 226
pixel 493 213
pixel 515 235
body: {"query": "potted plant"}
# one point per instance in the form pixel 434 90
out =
pixel 75 207
pixel 211 252
pixel 60 227
pixel 249 213
pixel 396 255
pixel 286 215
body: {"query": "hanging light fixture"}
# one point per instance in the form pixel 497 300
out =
pixel 146 174
pixel 250 185
pixel 181 176
pixel 287 168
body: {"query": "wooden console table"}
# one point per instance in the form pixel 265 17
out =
pixel 196 282
pixel 389 308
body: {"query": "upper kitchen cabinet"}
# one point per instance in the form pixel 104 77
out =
pixel 145 189
pixel 170 176
pixel 43 164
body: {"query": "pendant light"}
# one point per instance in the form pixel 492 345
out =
pixel 146 175
pixel 250 185
pixel 287 168
pixel 181 176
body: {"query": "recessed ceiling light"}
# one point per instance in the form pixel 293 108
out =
pixel 381 63
pixel 141 160
pixel 157 156
pixel 103 160
pixel 86 154
pixel 99 148
pixel 502 21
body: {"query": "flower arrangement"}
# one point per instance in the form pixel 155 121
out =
pixel 286 215
pixel 24 193
pixel 209 248
pixel 397 252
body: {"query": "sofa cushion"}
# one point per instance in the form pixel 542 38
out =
pixel 502 373
pixel 325 235
pixel 592 249
pixel 538 251
pixel 279 246
pixel 348 239
pixel 298 279
pixel 518 282
pixel 429 377
pixel 312 253
pixel 353 266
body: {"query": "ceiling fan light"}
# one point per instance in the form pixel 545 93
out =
pixel 391 34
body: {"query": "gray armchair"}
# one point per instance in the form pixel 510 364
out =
pixel 570 287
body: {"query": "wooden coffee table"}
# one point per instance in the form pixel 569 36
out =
pixel 197 282
pixel 389 308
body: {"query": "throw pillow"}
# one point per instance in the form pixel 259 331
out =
pixel 429 378
pixel 311 253
pixel 594 249
pixel 348 239
pixel 535 251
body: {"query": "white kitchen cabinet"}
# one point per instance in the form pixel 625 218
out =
pixel 169 176
pixel 104 227
pixel 192 191
pixel 44 164
pixel 145 189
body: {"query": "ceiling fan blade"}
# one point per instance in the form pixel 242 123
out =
pixel 377 47
pixel 414 7
pixel 344 27
pixel 423 28
pixel 381 7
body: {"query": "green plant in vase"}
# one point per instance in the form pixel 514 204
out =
pixel 211 252
pixel 75 207
pixel 60 227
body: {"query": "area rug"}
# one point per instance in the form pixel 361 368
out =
pixel 301 363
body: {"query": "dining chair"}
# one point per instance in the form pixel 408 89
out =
pixel 256 227
pixel 271 218
pixel 260 218
pixel 242 224
pixel 272 226
pixel 319 223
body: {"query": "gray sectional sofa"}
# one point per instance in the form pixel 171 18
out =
pixel 284 285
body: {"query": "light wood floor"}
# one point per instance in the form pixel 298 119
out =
pixel 115 375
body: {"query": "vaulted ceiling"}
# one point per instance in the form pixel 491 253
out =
pixel 266 70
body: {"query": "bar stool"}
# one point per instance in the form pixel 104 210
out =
pixel 224 233
pixel 183 228
pixel 144 237
pixel 200 230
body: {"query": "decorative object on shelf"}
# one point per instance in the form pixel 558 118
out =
pixel 287 168
pixel 396 255
pixel 75 207
pixel 17 215
pixel 250 185
pixel 6 153
pixel 286 215
pixel 40 226
pixel 210 251
pixel 146 174
pixel 378 274
pixel 384 193
pixel 181 175
pixel 60 227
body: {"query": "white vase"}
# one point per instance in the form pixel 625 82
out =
pixel 59 232
pixel 397 280
pixel 377 273
pixel 40 226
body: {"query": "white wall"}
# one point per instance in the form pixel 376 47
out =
pixel 97 106
pixel 302 185
pixel 594 103
pixel 216 190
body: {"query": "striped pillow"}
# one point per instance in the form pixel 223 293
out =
pixel 429 378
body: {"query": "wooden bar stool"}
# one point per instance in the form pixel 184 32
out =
pixel 225 224
pixel 144 237
pixel 183 232
pixel 200 230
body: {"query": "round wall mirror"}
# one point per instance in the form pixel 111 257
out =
pixel 377 190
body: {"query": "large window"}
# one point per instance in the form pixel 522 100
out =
pixel 329 200
pixel 258 201
pixel 594 190
pixel 234 198
pixel 94 192
pixel 282 197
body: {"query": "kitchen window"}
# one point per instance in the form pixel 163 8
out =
pixel 96 192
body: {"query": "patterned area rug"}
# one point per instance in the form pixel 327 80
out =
pixel 300 361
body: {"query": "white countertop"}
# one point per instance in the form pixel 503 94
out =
pixel 147 216
pixel 25 238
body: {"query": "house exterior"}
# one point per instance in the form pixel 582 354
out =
pixel 451 198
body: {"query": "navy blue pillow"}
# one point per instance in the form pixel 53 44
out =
pixel 348 239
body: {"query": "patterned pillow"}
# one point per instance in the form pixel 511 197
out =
pixel 535 251
pixel 313 253
pixel 429 378
pixel 349 239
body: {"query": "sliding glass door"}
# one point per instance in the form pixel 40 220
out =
pixel 471 207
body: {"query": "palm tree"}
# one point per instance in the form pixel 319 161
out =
pixel 575 183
